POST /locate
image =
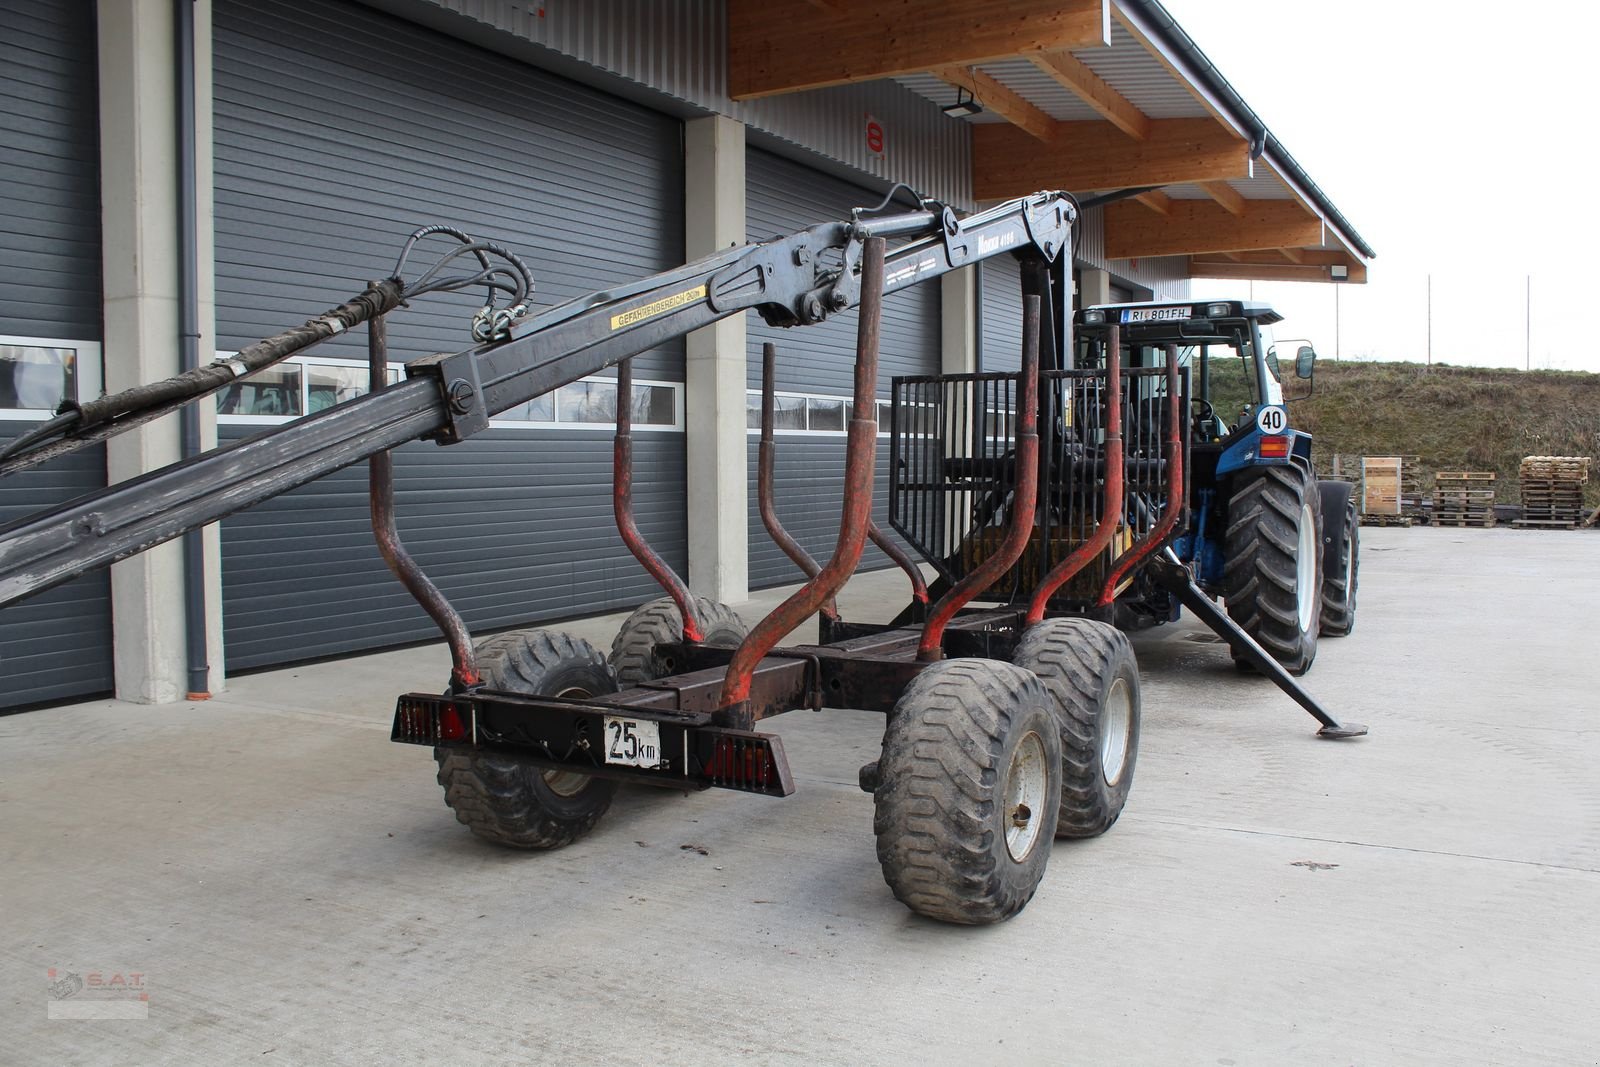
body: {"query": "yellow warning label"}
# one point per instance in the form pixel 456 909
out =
pixel 665 304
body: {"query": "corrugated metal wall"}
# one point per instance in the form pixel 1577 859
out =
pixel 56 645
pixel 50 170
pixel 319 177
pixel 679 48
pixel 1000 328
pixel 783 196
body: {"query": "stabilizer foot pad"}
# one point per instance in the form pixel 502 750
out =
pixel 1339 733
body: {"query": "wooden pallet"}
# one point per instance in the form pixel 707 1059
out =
pixel 1483 522
pixel 1463 476
pixel 1545 524
pixel 1560 468
pixel 1368 519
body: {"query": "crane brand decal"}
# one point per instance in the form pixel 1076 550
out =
pixel 995 244
pixel 659 307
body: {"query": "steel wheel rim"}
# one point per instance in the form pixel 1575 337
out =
pixel 1026 778
pixel 568 783
pixel 1306 568
pixel 1116 727
pixel 1349 569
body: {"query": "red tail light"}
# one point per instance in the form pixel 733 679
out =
pixel 750 762
pixel 423 720
pixel 1274 448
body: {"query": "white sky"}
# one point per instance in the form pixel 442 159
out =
pixel 1459 138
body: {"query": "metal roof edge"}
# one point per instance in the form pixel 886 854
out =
pixel 1180 50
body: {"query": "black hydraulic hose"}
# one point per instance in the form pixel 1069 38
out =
pixel 376 299
pixel 197 662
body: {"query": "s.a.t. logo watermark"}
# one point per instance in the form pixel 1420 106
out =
pixel 96 995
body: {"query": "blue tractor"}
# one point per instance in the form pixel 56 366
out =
pixel 1280 548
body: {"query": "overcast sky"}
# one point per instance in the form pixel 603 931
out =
pixel 1458 138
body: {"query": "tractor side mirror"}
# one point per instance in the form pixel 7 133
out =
pixel 1303 360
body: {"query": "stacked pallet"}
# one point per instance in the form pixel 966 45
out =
pixel 1380 492
pixel 1411 486
pixel 1463 498
pixel 1552 491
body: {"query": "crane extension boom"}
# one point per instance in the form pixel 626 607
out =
pixel 450 397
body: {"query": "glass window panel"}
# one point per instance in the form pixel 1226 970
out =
pixel 273 391
pixel 32 376
pixel 788 413
pixel 825 414
pixel 655 405
pixel 327 386
pixel 752 411
pixel 539 409
pixel 587 402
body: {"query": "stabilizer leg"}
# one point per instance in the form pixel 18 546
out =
pixel 1174 577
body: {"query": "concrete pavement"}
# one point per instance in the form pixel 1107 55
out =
pixel 290 888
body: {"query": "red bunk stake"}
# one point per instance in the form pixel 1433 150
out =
pixel 859 457
pixel 1024 498
pixel 380 485
pixel 622 505
pixel 1174 506
pixel 1111 513
pixel 764 479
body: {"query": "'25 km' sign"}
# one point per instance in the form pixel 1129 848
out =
pixel 1272 419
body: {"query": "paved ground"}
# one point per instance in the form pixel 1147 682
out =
pixel 291 889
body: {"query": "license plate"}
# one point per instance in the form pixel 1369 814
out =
pixel 1154 314
pixel 633 742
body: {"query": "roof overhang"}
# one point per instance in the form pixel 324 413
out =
pixel 1091 96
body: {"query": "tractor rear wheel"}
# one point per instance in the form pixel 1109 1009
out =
pixel 1341 557
pixel 636 652
pixel 1089 671
pixel 501 796
pixel 1273 571
pixel 969 781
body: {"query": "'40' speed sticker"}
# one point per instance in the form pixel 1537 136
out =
pixel 1272 419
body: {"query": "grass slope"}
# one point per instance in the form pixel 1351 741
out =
pixel 1454 418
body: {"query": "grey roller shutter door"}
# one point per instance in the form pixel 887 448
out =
pixel 56 645
pixel 326 158
pixel 783 196
pixel 1000 331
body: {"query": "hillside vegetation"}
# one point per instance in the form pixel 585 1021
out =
pixel 1454 418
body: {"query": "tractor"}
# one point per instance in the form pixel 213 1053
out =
pixel 1280 548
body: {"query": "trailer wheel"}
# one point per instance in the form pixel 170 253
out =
pixel 501 796
pixel 965 808
pixel 635 652
pixel 1341 557
pixel 1089 670
pixel 1273 573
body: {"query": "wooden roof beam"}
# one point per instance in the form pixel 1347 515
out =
pixel 1315 269
pixel 1199 226
pixel 1293 255
pixel 1231 199
pixel 1156 201
pixel 1083 156
pixel 1072 73
pixel 784 46
pixel 999 99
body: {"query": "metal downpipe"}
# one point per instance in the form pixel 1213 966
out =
pixel 194 566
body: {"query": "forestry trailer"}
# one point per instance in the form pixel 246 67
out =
pixel 1050 503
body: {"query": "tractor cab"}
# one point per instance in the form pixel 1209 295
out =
pixel 1231 362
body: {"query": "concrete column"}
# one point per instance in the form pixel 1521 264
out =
pixel 1095 287
pixel 139 220
pixel 714 391
pixel 958 322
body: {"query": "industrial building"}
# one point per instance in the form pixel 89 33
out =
pixel 603 140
